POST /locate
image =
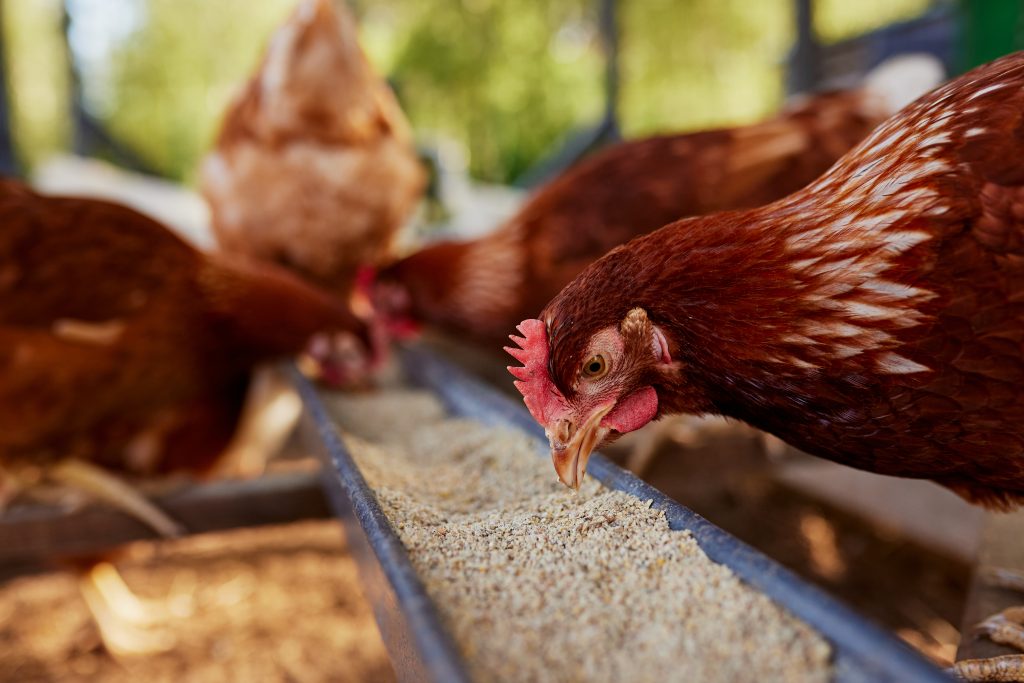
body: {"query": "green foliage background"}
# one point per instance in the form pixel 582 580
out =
pixel 508 80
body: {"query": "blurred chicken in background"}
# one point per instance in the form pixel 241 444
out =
pixel 124 351
pixel 482 288
pixel 314 167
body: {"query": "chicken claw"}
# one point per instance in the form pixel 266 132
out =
pixel 111 490
pixel 994 669
pixel 1005 628
pixel 126 623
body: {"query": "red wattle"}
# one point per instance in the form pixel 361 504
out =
pixel 633 412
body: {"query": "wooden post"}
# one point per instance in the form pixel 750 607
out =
pixel 90 137
pixel 610 42
pixel 36 532
pixel 804 60
pixel 8 163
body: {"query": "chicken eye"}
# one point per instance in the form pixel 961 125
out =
pixel 596 367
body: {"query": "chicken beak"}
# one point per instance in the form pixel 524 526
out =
pixel 570 456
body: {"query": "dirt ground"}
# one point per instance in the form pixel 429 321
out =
pixel 284 603
pixel 273 604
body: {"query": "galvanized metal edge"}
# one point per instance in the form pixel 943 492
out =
pixel 864 653
pixel 418 645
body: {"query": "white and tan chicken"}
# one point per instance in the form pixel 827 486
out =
pixel 314 167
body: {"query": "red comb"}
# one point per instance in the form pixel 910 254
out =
pixel 365 278
pixel 540 394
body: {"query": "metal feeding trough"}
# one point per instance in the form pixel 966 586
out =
pixel 420 648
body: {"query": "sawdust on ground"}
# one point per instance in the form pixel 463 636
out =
pixel 271 604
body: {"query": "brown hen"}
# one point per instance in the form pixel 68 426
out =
pixel 125 351
pixel 873 318
pixel 123 346
pixel 314 167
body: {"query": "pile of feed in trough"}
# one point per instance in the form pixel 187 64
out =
pixel 539 584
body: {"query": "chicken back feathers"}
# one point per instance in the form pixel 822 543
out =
pixel 874 318
pixel 484 287
pixel 314 167
pixel 122 344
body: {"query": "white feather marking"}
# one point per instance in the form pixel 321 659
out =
pixel 830 329
pixel 977 130
pixel 839 247
pixel 895 364
pixel 839 224
pixel 830 289
pixel 833 266
pixel 908 318
pixel 899 242
pixel 858 309
pixel 805 263
pixel 800 363
pixel 793 338
pixel 841 351
pixel 846 263
pixel 880 221
pixel 913 198
pixel 865 169
pixel 915 172
pixel 895 290
pixel 934 139
pixel 885 142
pixel 102 333
pixel 984 91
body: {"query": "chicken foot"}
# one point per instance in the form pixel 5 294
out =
pixel 1005 628
pixel 127 624
pixel 116 493
pixel 272 409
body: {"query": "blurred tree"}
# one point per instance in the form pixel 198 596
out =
pixel 171 77
pixel 700 63
pixel 507 80
pixel 37 78
pixel 837 20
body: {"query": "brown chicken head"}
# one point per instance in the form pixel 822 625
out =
pixel 612 393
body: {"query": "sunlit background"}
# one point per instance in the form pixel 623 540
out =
pixel 508 83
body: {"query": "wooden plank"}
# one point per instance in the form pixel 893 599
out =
pixel 38 531
pixel 1001 549
pixel 929 514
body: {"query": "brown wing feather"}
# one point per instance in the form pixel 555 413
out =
pixel 53 254
pixel 961 422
